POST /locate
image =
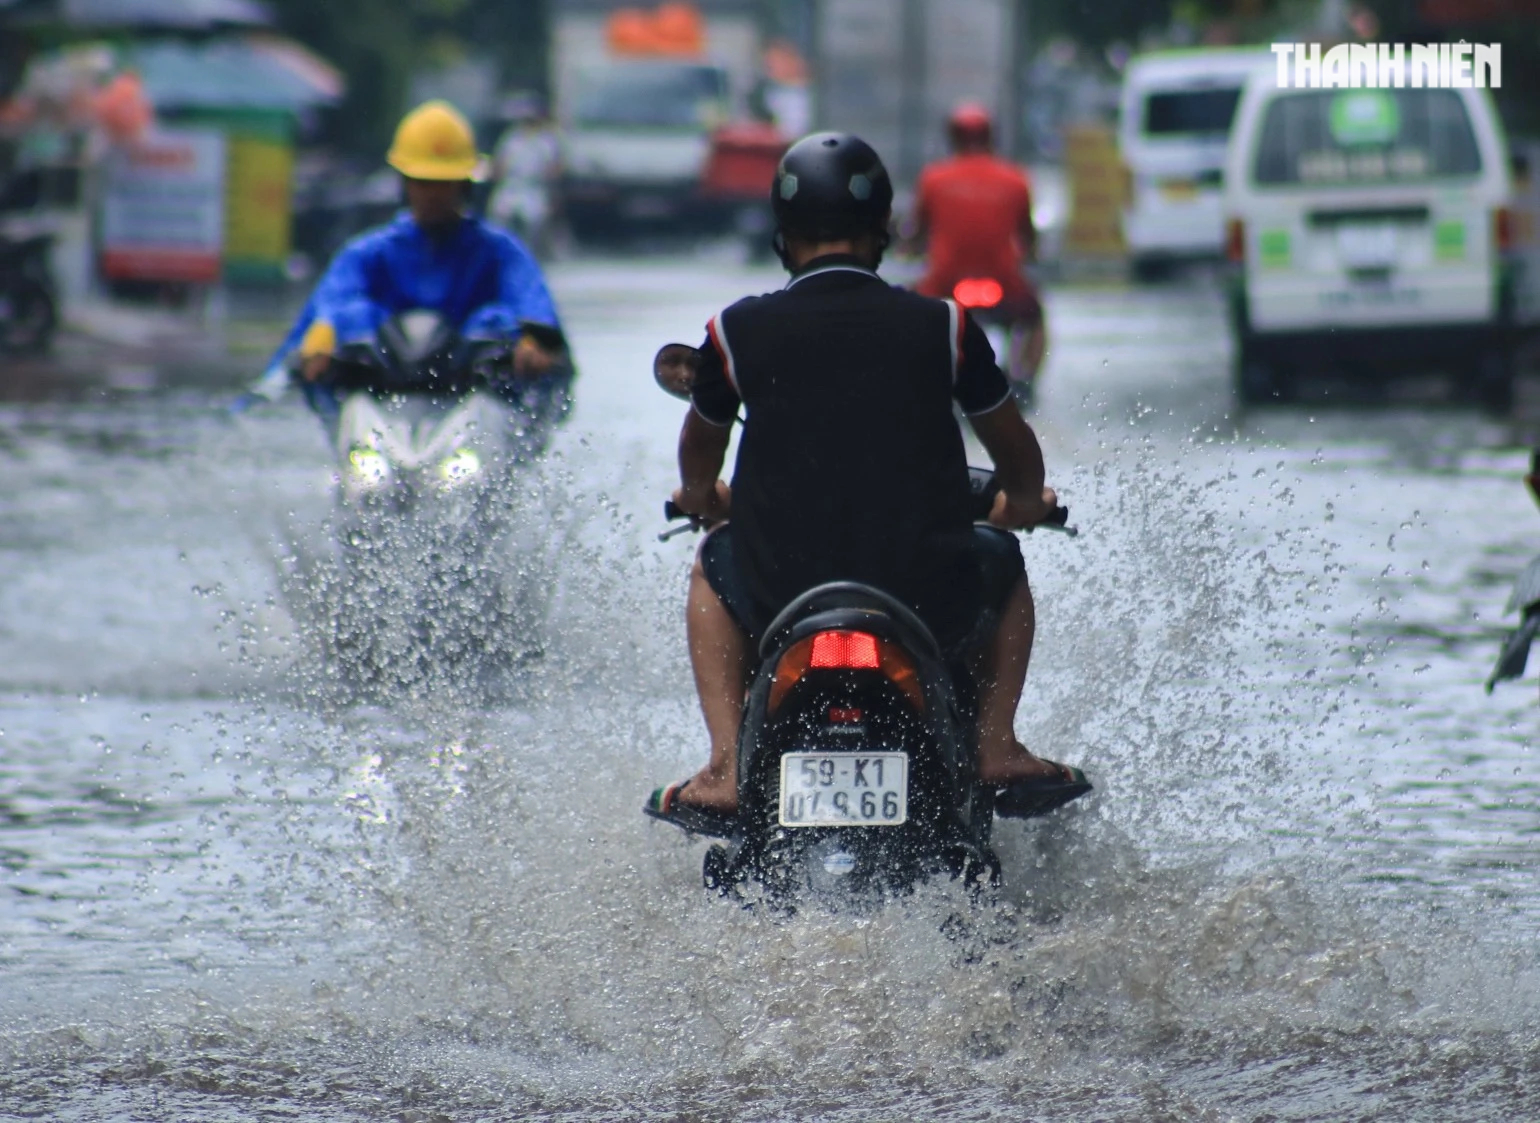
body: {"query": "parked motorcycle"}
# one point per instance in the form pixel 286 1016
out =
pixel 28 311
pixel 1526 599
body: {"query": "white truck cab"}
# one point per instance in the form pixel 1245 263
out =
pixel 1370 231
pixel 1174 122
pixel 637 138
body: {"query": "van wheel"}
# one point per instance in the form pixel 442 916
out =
pixel 1151 270
pixel 1258 382
pixel 1493 382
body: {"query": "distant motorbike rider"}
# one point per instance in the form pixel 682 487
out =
pixel 851 464
pixel 434 256
pixel 975 212
pixel 526 164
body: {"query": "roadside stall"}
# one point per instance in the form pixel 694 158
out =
pixel 251 92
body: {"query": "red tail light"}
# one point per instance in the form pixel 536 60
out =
pixel 1502 229
pixel 978 292
pixel 1235 241
pixel 846 651
pixel 855 651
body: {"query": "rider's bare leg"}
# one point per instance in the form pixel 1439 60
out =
pixel 1001 668
pixel 1029 343
pixel 719 655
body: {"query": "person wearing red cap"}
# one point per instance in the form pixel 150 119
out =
pixel 974 211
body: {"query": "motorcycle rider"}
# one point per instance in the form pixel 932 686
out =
pixel 434 256
pixel 975 212
pixel 527 166
pixel 851 466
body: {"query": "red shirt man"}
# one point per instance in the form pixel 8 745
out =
pixel 975 211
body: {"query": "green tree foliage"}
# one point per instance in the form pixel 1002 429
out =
pixel 380 44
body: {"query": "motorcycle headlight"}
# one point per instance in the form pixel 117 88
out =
pixel 459 465
pixel 368 467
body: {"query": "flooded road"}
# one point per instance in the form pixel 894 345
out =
pixel 1305 889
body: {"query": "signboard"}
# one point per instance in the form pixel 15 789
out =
pixel 258 204
pixel 163 207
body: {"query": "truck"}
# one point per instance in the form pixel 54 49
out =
pixel 638 94
pixel 892 70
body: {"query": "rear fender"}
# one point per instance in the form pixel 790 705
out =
pixel 947 730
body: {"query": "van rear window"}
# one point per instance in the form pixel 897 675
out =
pixel 1366 136
pixel 1185 112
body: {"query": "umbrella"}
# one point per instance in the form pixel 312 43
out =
pixel 231 75
pixel 189 14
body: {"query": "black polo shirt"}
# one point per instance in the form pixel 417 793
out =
pixel 851 464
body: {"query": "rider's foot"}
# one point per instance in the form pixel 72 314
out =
pixel 710 789
pixel 1010 763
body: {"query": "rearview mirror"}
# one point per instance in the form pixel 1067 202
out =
pixel 673 368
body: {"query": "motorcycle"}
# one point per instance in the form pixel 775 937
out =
pixel 431 431
pixel 28 310
pixel 1526 599
pixel 981 296
pixel 857 749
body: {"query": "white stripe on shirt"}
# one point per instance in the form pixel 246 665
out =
pixel 719 337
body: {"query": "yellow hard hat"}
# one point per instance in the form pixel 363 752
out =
pixel 434 141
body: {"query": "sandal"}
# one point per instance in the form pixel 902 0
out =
pixel 1027 799
pixel 663 805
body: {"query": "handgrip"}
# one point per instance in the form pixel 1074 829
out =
pixel 671 512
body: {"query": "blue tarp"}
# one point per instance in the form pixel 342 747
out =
pixel 226 75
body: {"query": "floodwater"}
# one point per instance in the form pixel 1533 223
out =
pixel 1306 887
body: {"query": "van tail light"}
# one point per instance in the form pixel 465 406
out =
pixel 1502 230
pixel 1235 241
pixel 846 651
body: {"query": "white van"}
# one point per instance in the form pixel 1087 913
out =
pixel 1371 230
pixel 1174 121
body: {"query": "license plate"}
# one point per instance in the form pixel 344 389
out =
pixel 1179 190
pixel 1366 247
pixel 647 206
pixel 844 789
pixel 1371 296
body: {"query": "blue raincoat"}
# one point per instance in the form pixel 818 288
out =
pixel 479 278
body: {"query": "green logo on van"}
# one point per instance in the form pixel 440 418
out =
pixel 1274 246
pixel 1449 241
pixel 1364 117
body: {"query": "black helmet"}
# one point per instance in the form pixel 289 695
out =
pixel 831 185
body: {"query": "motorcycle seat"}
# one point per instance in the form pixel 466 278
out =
pixel 849 606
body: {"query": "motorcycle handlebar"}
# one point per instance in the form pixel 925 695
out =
pixel 1058 519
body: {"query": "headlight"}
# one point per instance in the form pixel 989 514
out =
pixel 369 467
pixel 459 465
